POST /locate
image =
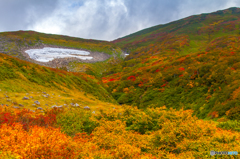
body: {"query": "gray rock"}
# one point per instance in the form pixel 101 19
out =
pixel 16 107
pixel 21 105
pixel 76 105
pixel 44 92
pixel 94 112
pixel 87 108
pixel 72 104
pixel 7 96
pixel 54 106
pixel 37 102
pixel 25 98
pixel 60 107
pixel 33 104
pixel 31 97
pixel 40 108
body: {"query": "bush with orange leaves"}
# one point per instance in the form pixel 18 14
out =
pixel 38 142
pixel 126 133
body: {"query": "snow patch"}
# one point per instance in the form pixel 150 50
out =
pixel 48 54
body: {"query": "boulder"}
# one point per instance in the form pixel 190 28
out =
pixel 76 105
pixel 60 107
pixel 25 98
pixel 16 107
pixel 54 106
pixel 87 108
pixel 40 108
pixel 21 105
pixel 37 102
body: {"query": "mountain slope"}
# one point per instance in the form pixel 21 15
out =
pixel 191 63
pixel 49 86
pixel 15 44
pixel 182 37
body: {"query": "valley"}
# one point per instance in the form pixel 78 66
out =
pixel 169 91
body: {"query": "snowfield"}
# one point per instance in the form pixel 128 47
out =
pixel 48 54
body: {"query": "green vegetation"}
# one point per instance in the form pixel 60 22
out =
pixel 191 63
pixel 148 105
pixel 19 76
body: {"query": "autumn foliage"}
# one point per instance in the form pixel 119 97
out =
pixel 181 79
pixel 129 133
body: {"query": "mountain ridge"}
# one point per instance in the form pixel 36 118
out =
pixel 180 64
pixel 175 96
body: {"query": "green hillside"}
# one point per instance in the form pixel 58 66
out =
pixel 192 63
pixel 183 36
pixel 49 86
pixel 145 106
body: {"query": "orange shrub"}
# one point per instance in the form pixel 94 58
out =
pixel 39 142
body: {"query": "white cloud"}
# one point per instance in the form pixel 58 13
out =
pixel 100 19
pixel 93 19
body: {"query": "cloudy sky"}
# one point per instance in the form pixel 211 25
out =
pixel 99 19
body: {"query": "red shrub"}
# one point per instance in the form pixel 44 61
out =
pixel 181 69
pixel 133 78
pixel 112 79
pixel 164 85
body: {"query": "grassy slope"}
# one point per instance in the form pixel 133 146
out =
pixel 191 63
pixel 125 132
pixel 196 28
pixel 20 78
